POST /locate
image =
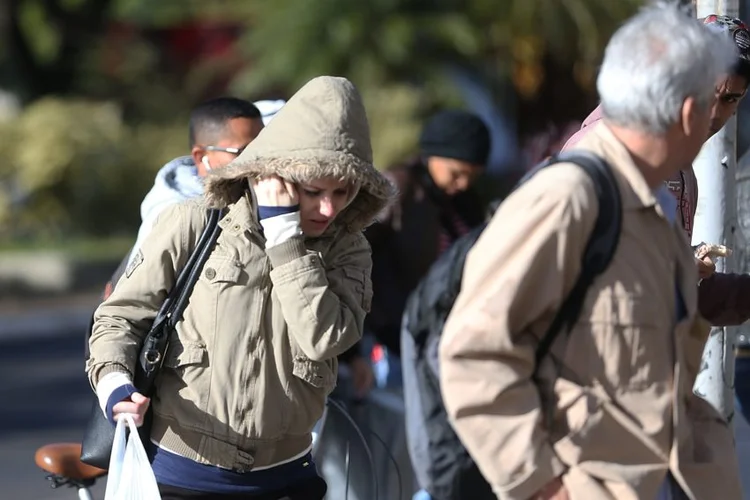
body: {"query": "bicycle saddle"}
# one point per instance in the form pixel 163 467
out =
pixel 63 459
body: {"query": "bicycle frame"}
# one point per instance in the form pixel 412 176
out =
pixel 82 487
pixel 84 494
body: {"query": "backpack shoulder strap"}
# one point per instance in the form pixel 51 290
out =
pixel 600 247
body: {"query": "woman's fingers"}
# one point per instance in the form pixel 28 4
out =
pixel 137 406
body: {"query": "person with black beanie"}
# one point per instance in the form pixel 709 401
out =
pixel 436 206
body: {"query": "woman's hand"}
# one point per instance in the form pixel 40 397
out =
pixel 273 191
pixel 137 406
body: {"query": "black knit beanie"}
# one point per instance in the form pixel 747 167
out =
pixel 456 134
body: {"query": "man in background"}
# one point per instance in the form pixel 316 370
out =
pixel 436 206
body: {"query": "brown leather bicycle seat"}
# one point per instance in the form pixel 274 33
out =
pixel 64 459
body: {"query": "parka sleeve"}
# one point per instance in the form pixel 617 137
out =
pixel 324 303
pixel 124 318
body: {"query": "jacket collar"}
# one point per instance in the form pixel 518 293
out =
pixel 241 216
pixel 601 140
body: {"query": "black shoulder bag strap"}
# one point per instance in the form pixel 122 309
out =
pixel 156 343
pixel 600 247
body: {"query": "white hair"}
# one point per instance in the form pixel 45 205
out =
pixel 655 61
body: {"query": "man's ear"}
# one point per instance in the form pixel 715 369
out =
pixel 197 153
pixel 689 116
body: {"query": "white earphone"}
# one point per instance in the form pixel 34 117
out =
pixel 204 160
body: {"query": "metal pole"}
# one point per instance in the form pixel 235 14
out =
pixel 715 221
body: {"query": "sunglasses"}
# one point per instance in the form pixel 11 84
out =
pixel 234 151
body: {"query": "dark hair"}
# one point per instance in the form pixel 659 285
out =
pixel 738 31
pixel 209 119
pixel 742 68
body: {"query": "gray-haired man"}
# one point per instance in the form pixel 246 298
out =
pixel 621 421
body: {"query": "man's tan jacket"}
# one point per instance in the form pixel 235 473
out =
pixel 613 410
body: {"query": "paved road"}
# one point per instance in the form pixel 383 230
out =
pixel 44 398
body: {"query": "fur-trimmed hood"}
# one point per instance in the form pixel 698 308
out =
pixel 322 131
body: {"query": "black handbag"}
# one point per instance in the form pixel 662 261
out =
pixel 99 434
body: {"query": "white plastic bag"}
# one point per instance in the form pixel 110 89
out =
pixel 130 476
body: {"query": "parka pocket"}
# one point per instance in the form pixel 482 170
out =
pixel 221 270
pixel 186 376
pixel 181 354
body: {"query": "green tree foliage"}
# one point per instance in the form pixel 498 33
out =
pixel 380 41
pixel 74 161
pixel 42 41
pixel 393 44
pixel 73 167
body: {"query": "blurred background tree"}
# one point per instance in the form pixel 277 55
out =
pixel 96 92
pixel 535 57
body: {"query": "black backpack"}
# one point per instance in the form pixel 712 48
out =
pixel 441 464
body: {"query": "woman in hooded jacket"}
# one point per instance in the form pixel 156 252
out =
pixel 283 293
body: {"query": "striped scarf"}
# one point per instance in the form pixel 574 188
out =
pixel 448 235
